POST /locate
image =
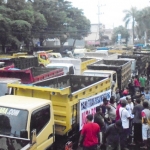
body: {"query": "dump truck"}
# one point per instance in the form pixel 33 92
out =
pixel 22 63
pixel 140 61
pixel 79 65
pixel 41 56
pixel 57 118
pixel 104 73
pixel 33 74
pixel 122 68
pixel 3 84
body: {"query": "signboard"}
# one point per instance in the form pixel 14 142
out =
pixel 88 106
pixel 119 37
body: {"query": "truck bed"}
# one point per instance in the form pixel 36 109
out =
pixel 122 67
pixel 65 92
pixel 140 60
pixel 22 63
pixel 31 75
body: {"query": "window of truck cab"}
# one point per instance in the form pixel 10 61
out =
pixel 12 121
pixel 40 118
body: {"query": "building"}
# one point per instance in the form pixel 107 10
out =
pixel 94 37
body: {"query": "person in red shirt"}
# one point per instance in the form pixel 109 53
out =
pixel 136 83
pixel 125 92
pixel 90 134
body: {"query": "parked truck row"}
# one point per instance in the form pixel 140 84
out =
pixel 46 114
pixel 51 107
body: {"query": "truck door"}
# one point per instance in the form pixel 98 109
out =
pixel 43 122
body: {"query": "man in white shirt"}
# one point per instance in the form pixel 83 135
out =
pixel 129 108
pixel 124 116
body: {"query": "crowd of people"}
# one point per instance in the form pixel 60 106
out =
pixel 121 122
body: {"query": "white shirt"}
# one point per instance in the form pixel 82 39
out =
pixel 124 115
pixel 129 108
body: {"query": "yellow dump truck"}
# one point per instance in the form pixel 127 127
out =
pixel 67 98
pixel 42 56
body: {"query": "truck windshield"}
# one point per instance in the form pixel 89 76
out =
pixel 12 121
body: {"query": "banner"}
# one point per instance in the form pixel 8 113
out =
pixel 88 106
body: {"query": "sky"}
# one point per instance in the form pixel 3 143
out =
pixel 111 10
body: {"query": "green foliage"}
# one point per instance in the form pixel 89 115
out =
pixel 120 30
pixel 22 21
pixel 130 16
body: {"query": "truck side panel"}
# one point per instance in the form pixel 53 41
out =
pixel 65 92
pixel 123 69
pixel 31 75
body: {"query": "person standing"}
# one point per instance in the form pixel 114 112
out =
pixel 131 88
pixel 90 134
pixel 129 108
pixel 145 124
pixel 147 94
pixel 136 83
pixel 142 81
pixel 124 116
pixel 111 109
pixel 112 136
pixel 137 121
pixel 100 121
pixel 117 95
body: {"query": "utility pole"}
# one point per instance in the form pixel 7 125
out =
pixel 99 21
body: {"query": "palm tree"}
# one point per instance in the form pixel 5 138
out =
pixel 130 17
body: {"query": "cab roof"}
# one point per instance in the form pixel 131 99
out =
pixel 60 64
pixel 22 102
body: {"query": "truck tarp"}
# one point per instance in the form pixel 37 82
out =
pixel 12 143
pixel 31 75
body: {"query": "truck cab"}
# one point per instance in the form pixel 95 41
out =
pixel 104 73
pixel 20 115
pixel 43 58
pixel 68 68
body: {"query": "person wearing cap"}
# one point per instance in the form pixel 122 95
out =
pixel 112 135
pixel 90 134
pixel 124 117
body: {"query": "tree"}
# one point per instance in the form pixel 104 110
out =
pixel 64 21
pixel 143 24
pixel 120 30
pixel 130 16
pixel 80 27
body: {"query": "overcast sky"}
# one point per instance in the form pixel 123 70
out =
pixel 111 10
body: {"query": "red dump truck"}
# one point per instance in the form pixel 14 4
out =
pixel 32 74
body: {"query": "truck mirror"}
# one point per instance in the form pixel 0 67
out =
pixel 24 134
